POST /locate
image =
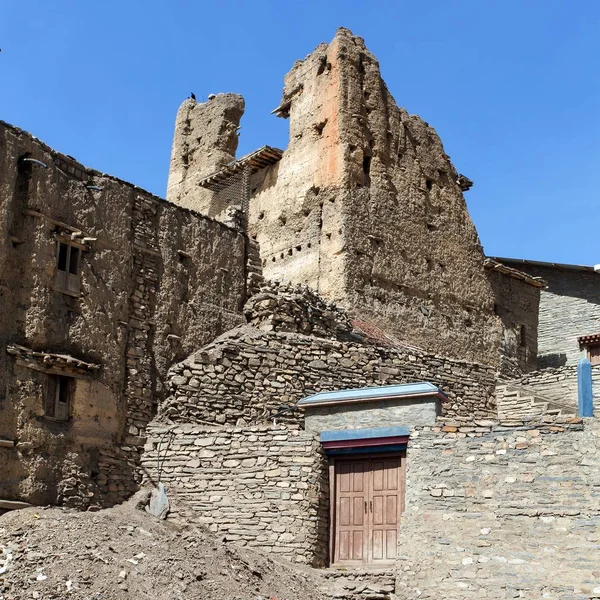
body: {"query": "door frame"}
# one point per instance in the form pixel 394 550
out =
pixel 333 462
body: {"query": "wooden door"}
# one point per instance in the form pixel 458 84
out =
pixel 369 499
pixel 351 510
pixel 386 494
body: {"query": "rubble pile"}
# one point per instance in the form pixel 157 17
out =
pixel 296 309
pixel 124 553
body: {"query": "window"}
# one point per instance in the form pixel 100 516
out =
pixel 593 352
pixel 591 345
pixel 67 267
pixel 58 397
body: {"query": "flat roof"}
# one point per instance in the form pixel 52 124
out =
pixel 337 435
pixel 539 263
pixel 404 390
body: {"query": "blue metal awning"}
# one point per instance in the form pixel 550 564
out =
pixel 404 391
pixel 360 441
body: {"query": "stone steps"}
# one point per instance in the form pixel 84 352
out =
pixel 519 403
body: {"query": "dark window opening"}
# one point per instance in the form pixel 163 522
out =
pixel 428 184
pixel 367 166
pixel 67 268
pixel 59 389
pixel 523 337
pixel 74 261
pixel 63 253
pixel 24 172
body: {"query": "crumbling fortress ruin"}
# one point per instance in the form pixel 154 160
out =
pixel 310 342
pixel 364 207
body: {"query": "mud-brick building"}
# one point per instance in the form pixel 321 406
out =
pixel 363 205
pixel 102 286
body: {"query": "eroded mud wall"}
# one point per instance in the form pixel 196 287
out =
pixel 366 207
pixel 155 282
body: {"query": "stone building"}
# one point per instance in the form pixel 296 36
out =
pixel 569 311
pixel 568 328
pixel 364 206
pixel 102 286
pixel 305 345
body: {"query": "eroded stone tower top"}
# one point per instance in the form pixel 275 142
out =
pixel 205 139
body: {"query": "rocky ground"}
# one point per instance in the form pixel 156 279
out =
pixel 124 553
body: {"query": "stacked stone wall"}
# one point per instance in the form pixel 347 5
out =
pixel 254 376
pixel 502 511
pixel 558 384
pixel 264 487
pixel 569 308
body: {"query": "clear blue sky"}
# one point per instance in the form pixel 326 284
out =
pixel 512 87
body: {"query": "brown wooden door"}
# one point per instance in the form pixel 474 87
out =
pixel 369 499
pixel 351 510
pixel 386 493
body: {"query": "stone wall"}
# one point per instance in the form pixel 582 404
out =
pixel 557 384
pixel 264 487
pixel 249 375
pixel 492 509
pixel 517 304
pixel 156 282
pixel 569 308
pixel 366 208
pixel 494 512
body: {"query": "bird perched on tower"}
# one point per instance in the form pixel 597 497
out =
pixel 193 96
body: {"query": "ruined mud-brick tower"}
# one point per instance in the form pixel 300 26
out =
pixel 364 205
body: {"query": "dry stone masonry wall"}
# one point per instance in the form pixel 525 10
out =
pixel 569 308
pixel 252 376
pixel 264 487
pixel 494 511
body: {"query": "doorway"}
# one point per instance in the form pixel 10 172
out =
pixel 367 501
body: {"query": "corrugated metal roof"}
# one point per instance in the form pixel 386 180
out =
pixel 405 390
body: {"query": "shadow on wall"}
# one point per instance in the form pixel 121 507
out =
pixel 548 361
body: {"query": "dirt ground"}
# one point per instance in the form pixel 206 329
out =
pixel 124 553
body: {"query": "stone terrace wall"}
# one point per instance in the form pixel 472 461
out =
pixel 265 487
pixel 252 375
pixel 501 512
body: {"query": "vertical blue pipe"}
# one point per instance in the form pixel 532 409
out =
pixel 584 388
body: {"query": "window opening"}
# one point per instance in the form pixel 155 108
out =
pixel 67 268
pixel 593 352
pixel 523 338
pixel 58 396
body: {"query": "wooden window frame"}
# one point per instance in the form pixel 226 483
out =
pixel 58 395
pixel 333 462
pixel 593 353
pixel 68 275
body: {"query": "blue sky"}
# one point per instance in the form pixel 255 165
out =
pixel 512 87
